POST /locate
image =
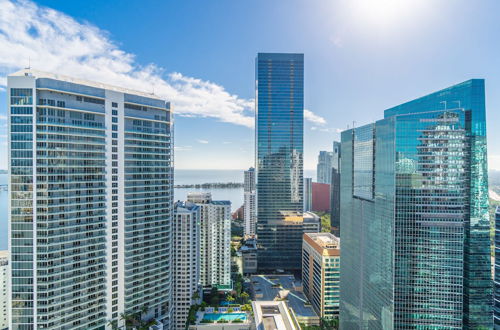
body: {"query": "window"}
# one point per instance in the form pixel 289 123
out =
pixel 21 110
pixel 115 112
pixel 114 105
pixel 21 96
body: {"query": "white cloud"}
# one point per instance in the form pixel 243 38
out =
pixel 313 118
pixel 3 117
pixel 55 42
pixel 202 141
pixel 183 148
pixel 52 41
pixel 326 129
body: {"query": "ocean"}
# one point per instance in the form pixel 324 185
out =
pixel 235 195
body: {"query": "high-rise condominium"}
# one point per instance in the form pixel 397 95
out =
pixel 335 190
pixel 90 203
pixel 4 296
pixel 250 207
pixel 279 150
pixel 215 240
pixel 414 216
pixel 324 167
pixel 186 260
pixel 496 301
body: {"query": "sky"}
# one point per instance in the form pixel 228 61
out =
pixel 361 57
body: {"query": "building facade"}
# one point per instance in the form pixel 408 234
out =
pixel 335 190
pixel 414 216
pixel 90 203
pixel 250 201
pixel 324 167
pixel 307 194
pixel 279 151
pixel 4 295
pixel 320 197
pixel 186 261
pixel 215 240
pixel 321 273
pixel 496 301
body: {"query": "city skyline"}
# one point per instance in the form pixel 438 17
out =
pixel 342 35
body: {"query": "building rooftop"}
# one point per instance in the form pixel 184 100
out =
pixel 282 287
pixel 185 207
pixel 273 315
pixel 41 74
pixel 324 243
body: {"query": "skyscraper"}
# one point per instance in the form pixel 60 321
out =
pixel 4 296
pixel 90 194
pixel 307 194
pixel 215 240
pixel 186 260
pixel 279 150
pixel 250 207
pixel 496 302
pixel 324 167
pixel 414 216
pixel 335 190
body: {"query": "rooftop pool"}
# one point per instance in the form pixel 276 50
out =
pixel 224 316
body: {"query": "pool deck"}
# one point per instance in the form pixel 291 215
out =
pixel 201 314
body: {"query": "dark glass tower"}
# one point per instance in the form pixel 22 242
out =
pixel 279 125
pixel 414 216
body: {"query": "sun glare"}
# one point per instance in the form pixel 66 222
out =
pixel 385 12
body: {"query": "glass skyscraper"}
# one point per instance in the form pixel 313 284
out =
pixel 90 204
pixel 279 159
pixel 414 216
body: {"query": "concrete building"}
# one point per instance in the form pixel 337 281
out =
pixel 321 273
pixel 287 289
pixel 274 315
pixel 186 259
pixel 249 255
pixel 215 240
pixel 250 200
pixel 4 296
pixel 91 208
pixel 311 223
pixel 307 194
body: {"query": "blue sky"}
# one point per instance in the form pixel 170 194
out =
pixel 361 57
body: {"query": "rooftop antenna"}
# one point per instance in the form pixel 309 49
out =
pixel 29 63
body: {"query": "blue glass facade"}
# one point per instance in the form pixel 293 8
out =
pixel 279 159
pixel 418 246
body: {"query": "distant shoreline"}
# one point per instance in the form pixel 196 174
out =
pixel 211 185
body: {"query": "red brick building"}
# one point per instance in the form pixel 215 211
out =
pixel 320 197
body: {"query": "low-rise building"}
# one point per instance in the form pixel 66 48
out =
pixel 274 315
pixel 321 272
pixel 249 256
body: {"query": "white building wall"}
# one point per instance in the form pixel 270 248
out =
pixel 4 309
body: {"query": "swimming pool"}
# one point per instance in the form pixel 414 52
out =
pixel 224 316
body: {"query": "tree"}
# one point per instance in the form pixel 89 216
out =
pixel 229 298
pixel 245 296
